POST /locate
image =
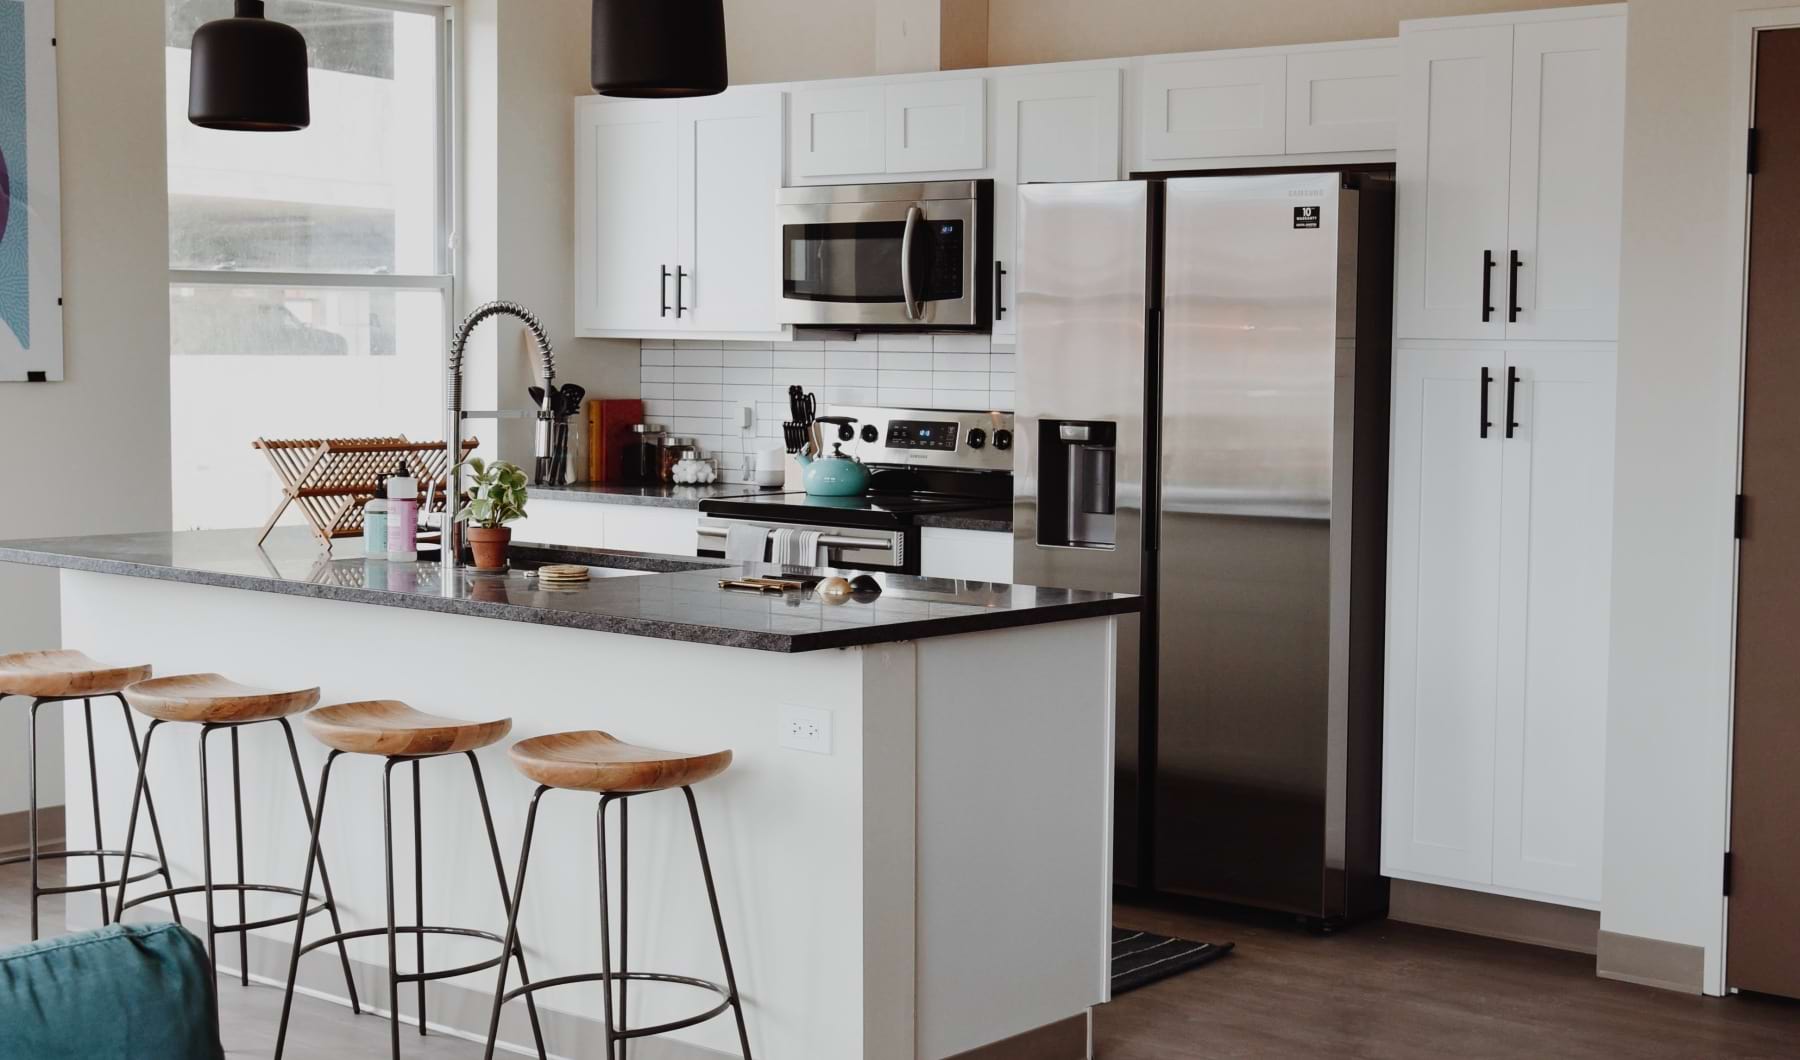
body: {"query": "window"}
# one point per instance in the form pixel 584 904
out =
pixel 310 276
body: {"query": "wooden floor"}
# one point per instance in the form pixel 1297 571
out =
pixel 1384 990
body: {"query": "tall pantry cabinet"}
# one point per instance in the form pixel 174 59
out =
pixel 1509 160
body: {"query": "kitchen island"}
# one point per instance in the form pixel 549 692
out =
pixel 933 881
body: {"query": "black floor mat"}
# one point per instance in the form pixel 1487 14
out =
pixel 1140 958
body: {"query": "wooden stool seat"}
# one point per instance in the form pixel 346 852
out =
pixel 390 727
pixel 210 698
pixel 61 674
pixel 595 761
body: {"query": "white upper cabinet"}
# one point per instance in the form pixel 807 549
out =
pixel 1510 174
pixel 837 130
pixel 937 125
pixel 674 215
pixel 1056 126
pixel 1214 107
pixel 729 171
pixel 1568 160
pixel 625 215
pixel 1343 99
pixel 917 126
pixel 1450 253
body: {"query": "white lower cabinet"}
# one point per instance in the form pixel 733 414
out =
pixel 1498 604
pixel 967 555
pixel 627 527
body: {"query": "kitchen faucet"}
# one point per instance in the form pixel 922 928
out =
pixel 451 540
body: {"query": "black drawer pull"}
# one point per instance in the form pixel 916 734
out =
pixel 1487 380
pixel 1512 288
pixel 1512 393
pixel 665 290
pixel 999 289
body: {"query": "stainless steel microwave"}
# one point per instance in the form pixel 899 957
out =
pixel 888 256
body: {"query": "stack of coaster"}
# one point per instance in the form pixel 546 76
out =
pixel 562 575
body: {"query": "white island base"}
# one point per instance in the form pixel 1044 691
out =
pixel 936 884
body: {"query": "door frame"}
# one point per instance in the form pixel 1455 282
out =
pixel 1746 26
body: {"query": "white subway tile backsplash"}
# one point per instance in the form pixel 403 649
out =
pixel 850 359
pixel 903 380
pixel 786 358
pixel 962 343
pixel 850 377
pixel 697 388
pixel 1005 346
pixel 905 398
pixel 903 343
pixel 960 362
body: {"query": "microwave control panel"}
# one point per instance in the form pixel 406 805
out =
pixel 921 434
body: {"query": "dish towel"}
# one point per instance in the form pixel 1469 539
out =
pixel 795 548
pixel 746 542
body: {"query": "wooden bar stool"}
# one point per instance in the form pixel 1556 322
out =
pixel 392 730
pixel 616 771
pixel 62 677
pixel 213 703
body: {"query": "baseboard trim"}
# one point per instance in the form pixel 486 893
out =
pixel 1652 962
pixel 1497 916
pixel 1066 1039
pixel 15 829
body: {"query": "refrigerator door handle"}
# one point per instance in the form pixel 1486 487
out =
pixel 1487 380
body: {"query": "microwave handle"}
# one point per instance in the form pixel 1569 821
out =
pixel 913 213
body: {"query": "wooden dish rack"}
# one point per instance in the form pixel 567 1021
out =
pixel 330 479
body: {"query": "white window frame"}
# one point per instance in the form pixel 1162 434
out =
pixel 444 279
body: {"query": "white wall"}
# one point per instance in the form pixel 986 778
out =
pixel 520 76
pixel 1678 421
pixel 90 455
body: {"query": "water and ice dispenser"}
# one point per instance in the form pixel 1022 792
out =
pixel 1077 483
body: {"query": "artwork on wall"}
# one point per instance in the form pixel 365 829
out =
pixel 31 339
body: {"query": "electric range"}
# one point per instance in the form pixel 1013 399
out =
pixel 921 462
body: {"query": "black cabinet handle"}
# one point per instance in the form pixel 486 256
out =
pixel 1487 286
pixel 1512 394
pixel 680 275
pixel 999 303
pixel 1512 288
pixel 1487 380
pixel 665 290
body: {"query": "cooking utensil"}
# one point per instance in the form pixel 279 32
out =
pixel 573 394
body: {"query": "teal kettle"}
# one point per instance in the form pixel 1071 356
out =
pixel 837 475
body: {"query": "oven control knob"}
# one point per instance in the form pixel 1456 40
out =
pixel 1002 440
pixel 846 432
pixel 977 438
pixel 869 433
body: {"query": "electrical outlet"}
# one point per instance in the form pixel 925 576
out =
pixel 806 729
pixel 746 415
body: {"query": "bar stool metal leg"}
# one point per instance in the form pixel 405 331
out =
pixel 393 958
pixel 419 887
pixel 331 909
pixel 212 919
pixel 624 917
pixel 237 817
pixel 31 815
pixel 312 856
pixel 87 711
pixel 606 972
pixel 139 795
pixel 162 857
pixel 712 896
pixel 506 898
pixel 512 923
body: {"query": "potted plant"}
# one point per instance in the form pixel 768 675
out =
pixel 497 498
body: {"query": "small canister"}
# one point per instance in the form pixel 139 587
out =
pixel 643 458
pixel 671 455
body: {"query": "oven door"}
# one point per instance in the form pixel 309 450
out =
pixel 890 551
pixel 900 264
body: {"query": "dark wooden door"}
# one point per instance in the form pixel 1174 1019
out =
pixel 1763 948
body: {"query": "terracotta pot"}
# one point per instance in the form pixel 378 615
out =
pixel 489 545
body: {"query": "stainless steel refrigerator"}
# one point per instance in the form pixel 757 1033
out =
pixel 1202 393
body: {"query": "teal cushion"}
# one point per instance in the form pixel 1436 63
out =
pixel 129 990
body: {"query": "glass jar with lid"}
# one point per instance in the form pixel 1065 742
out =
pixel 671 455
pixel 643 462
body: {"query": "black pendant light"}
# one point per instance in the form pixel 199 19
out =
pixel 248 74
pixel 659 49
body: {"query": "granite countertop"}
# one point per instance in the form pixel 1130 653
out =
pixel 638 594
pixel 650 496
pixel 997 519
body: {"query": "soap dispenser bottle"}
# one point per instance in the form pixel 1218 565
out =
pixel 403 516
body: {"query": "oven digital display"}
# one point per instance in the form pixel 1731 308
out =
pixel 921 434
